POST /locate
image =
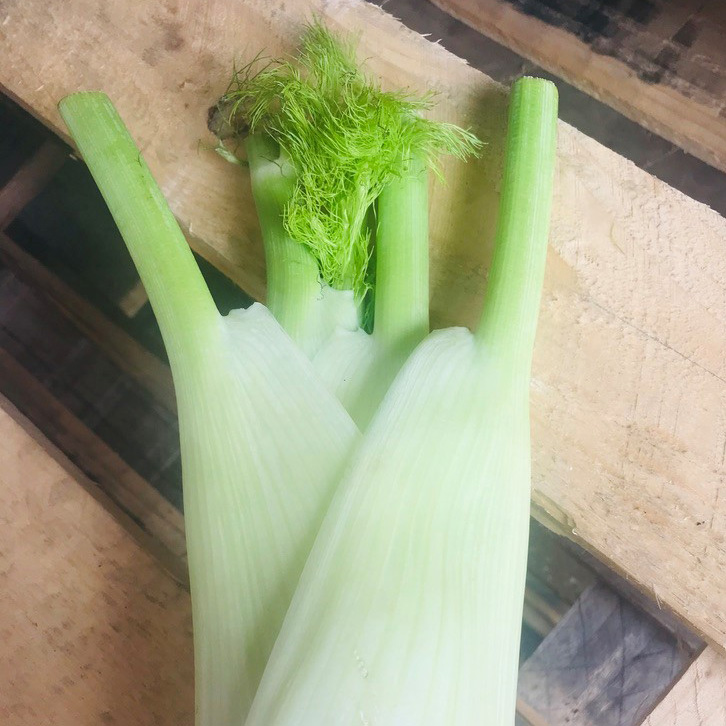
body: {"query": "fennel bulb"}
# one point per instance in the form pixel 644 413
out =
pixel 263 441
pixel 408 612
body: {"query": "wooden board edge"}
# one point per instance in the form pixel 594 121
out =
pixel 173 564
pixel 626 93
pixel 697 698
pixel 142 365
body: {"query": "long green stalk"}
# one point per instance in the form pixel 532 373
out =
pixel 401 317
pixel 185 310
pixel 360 367
pixel 296 295
pixel 511 304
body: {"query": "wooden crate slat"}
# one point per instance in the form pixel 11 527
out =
pixel 664 66
pixel 126 352
pixel 604 664
pixel 629 369
pixel 129 490
pixel 30 180
pixel 699 696
pixel 94 630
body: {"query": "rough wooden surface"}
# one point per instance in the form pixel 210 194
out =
pixel 699 696
pixel 94 631
pixel 661 62
pixel 629 374
pixel 120 482
pixel 69 368
pixel 605 664
pixel 121 347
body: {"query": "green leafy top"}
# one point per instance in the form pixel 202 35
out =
pixel 346 139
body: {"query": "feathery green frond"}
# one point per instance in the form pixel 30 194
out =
pixel 346 139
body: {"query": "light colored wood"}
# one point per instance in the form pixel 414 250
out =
pixel 94 631
pixel 629 378
pixel 120 347
pixel 699 696
pixel 120 482
pixel 133 300
pixel 684 102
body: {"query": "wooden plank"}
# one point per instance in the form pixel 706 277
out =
pixel 94 630
pixel 133 300
pixel 604 664
pixel 662 64
pixel 119 481
pixel 645 603
pixel 90 386
pixel 556 577
pixel 30 180
pixel 126 352
pixel 629 373
pixel 699 696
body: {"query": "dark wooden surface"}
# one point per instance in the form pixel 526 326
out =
pixel 660 62
pixel 606 663
pixel 93 390
pixel 30 180
pixel 648 150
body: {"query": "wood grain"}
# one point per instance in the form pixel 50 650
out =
pixel 664 67
pixel 629 386
pixel 699 696
pixel 604 664
pixel 94 631
pixel 120 347
pixel 131 492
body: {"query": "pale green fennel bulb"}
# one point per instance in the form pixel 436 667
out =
pixel 263 441
pixel 409 609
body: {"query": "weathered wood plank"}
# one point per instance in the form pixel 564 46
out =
pixel 604 664
pixel 30 180
pixel 663 65
pixel 699 696
pixel 133 300
pixel 118 480
pixel 33 176
pixel 126 352
pixel 629 373
pixel 90 386
pixel 94 630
